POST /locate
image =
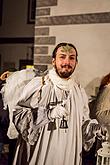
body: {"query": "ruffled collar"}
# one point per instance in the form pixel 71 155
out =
pixel 65 84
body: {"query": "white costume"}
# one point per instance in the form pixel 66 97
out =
pixel 11 92
pixel 41 144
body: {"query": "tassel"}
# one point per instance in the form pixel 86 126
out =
pixel 51 125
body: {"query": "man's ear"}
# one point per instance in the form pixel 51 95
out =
pixel 53 61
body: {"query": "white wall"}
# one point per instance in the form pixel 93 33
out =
pixel 80 7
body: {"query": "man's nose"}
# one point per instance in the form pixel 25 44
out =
pixel 67 60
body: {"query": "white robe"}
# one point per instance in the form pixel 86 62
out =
pixel 39 146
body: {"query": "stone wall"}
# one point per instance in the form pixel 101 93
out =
pixel 42 35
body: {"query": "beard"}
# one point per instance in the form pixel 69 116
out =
pixel 66 73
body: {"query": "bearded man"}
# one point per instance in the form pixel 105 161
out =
pixel 52 117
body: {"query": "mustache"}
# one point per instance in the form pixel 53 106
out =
pixel 66 65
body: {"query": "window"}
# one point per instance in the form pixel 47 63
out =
pixel 31 11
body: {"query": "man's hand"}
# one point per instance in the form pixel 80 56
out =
pixel 58 112
pixel 98 130
pixel 102 134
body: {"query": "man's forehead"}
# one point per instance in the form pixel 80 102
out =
pixel 65 49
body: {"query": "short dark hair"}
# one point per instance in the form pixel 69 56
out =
pixel 63 44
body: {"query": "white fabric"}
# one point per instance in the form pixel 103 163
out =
pixel 30 88
pixel 69 85
pixel 60 82
pixel 67 147
pixel 59 112
pixel 11 92
pixel 59 146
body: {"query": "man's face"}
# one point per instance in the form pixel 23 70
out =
pixel 65 61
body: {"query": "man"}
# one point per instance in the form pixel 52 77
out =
pixel 50 117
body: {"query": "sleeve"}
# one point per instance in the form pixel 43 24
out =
pixel 90 127
pixel 28 115
pixel 29 120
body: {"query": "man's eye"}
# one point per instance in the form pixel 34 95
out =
pixel 72 58
pixel 62 57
